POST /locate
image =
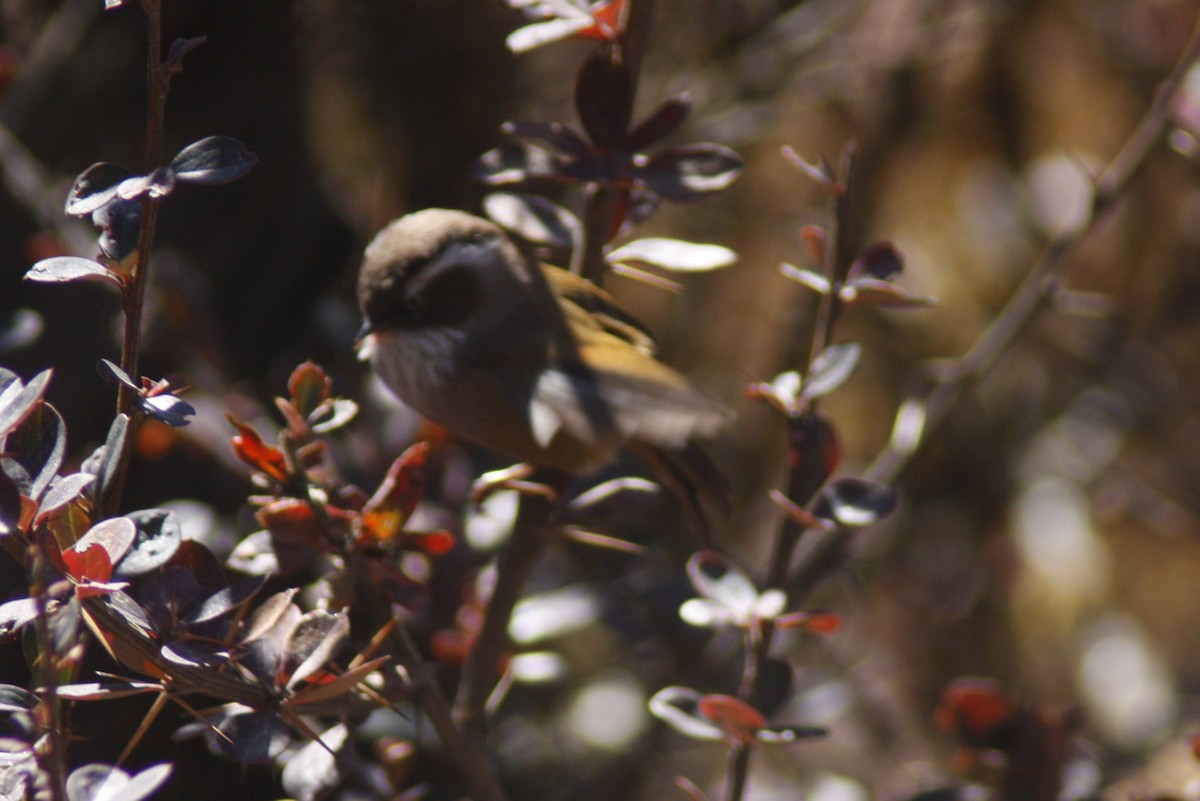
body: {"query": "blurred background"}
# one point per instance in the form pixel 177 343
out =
pixel 1047 535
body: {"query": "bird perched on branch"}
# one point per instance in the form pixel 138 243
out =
pixel 526 359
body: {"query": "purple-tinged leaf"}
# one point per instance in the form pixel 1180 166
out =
pixel 158 537
pixel 514 162
pixel 10 505
pixel 64 490
pixel 317 769
pixel 604 101
pixel 107 783
pixel 14 615
pixel 689 172
pixel 106 691
pixel 131 612
pixel 875 292
pixel 252 738
pixel 312 643
pixel 719 580
pixel 168 409
pixel 173 64
pixel 830 369
pixel 813 280
pixel 114 536
pixel 94 187
pixel 65 269
pixel 333 414
pixel 157 184
pixel 661 124
pixel 111 4
pixel 104 460
pixel 18 400
pixel 120 225
pixel 552 136
pixel 22 329
pixel 674 254
pixel 112 372
pixel 855 502
pixel 271 613
pixel 227 600
pixel 16 699
pixel 34 450
pixel 822 173
pixel 535 219
pixel 879 260
pixel 255 556
pixel 195 653
pixel 213 160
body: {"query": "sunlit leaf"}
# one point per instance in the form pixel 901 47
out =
pixel 99 549
pixel 675 254
pixel 94 187
pixel 65 269
pixel 678 707
pixel 18 400
pixel 213 160
pixel 167 409
pixel 813 280
pixel 690 172
pixel 831 368
pixel 855 502
pixel 312 643
pixel 314 770
pixel 535 219
pixel 158 537
pixel 540 33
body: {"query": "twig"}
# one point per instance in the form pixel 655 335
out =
pixel 480 672
pixel 135 293
pixel 826 550
pixel 53 755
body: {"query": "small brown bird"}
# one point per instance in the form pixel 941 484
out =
pixel 523 358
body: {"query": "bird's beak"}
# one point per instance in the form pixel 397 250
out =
pixel 364 343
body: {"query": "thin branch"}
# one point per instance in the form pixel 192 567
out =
pixel 826 550
pixel 481 672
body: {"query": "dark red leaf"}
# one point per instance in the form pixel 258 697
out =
pixel 554 136
pixel 661 124
pixel 604 102
pixel 879 260
pixel 384 516
pixel 978 711
pixel 309 386
pixel 813 454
